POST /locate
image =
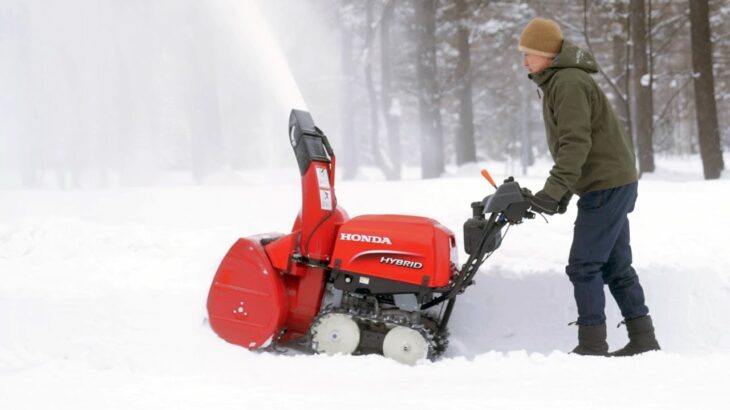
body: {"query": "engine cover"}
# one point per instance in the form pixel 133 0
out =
pixel 407 249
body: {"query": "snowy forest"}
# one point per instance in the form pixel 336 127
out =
pixel 149 193
pixel 100 93
pixel 455 73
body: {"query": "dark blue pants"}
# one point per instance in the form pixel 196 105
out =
pixel 601 254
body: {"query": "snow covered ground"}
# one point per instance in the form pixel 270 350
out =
pixel 102 303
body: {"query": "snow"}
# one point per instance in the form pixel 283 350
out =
pixel 492 26
pixel 102 302
pixel 645 79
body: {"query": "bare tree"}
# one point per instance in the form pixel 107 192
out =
pixel 382 161
pixel 643 98
pixel 621 67
pixel 369 82
pixel 465 148
pixel 432 151
pixel 389 104
pixel 347 65
pixel 704 83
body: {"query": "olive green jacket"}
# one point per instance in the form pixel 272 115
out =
pixel 584 136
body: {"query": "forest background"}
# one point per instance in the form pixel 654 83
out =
pixel 108 93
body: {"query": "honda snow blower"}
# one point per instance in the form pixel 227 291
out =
pixel 384 284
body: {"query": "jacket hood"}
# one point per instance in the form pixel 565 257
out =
pixel 570 56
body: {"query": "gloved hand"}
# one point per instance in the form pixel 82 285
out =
pixel 564 202
pixel 544 203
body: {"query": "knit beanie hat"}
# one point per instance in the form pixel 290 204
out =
pixel 541 37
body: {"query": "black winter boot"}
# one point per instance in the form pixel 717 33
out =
pixel 591 341
pixel 641 337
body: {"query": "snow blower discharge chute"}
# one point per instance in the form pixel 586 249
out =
pixel 384 284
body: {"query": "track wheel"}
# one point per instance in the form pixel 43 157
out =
pixel 335 333
pixel 405 345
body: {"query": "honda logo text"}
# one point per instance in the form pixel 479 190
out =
pixel 356 237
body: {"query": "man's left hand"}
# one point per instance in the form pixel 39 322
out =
pixel 543 203
pixel 564 202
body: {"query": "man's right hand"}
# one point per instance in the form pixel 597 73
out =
pixel 543 203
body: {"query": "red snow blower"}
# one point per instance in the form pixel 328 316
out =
pixel 383 284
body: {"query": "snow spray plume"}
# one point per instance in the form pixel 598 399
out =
pixel 255 33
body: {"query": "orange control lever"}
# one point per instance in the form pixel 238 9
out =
pixel 488 177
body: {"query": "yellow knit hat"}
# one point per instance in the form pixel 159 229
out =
pixel 541 37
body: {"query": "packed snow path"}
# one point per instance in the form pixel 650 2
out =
pixel 102 305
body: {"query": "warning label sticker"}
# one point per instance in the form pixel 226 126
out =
pixel 323 178
pixel 325 199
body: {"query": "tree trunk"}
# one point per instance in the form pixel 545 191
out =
pixel 390 107
pixel 621 69
pixel 369 85
pixel 643 104
pixel 349 139
pixel 432 150
pixel 465 148
pixel 704 83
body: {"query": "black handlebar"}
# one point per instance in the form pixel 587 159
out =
pixel 509 205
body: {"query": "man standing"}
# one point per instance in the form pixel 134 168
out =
pixel 595 160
